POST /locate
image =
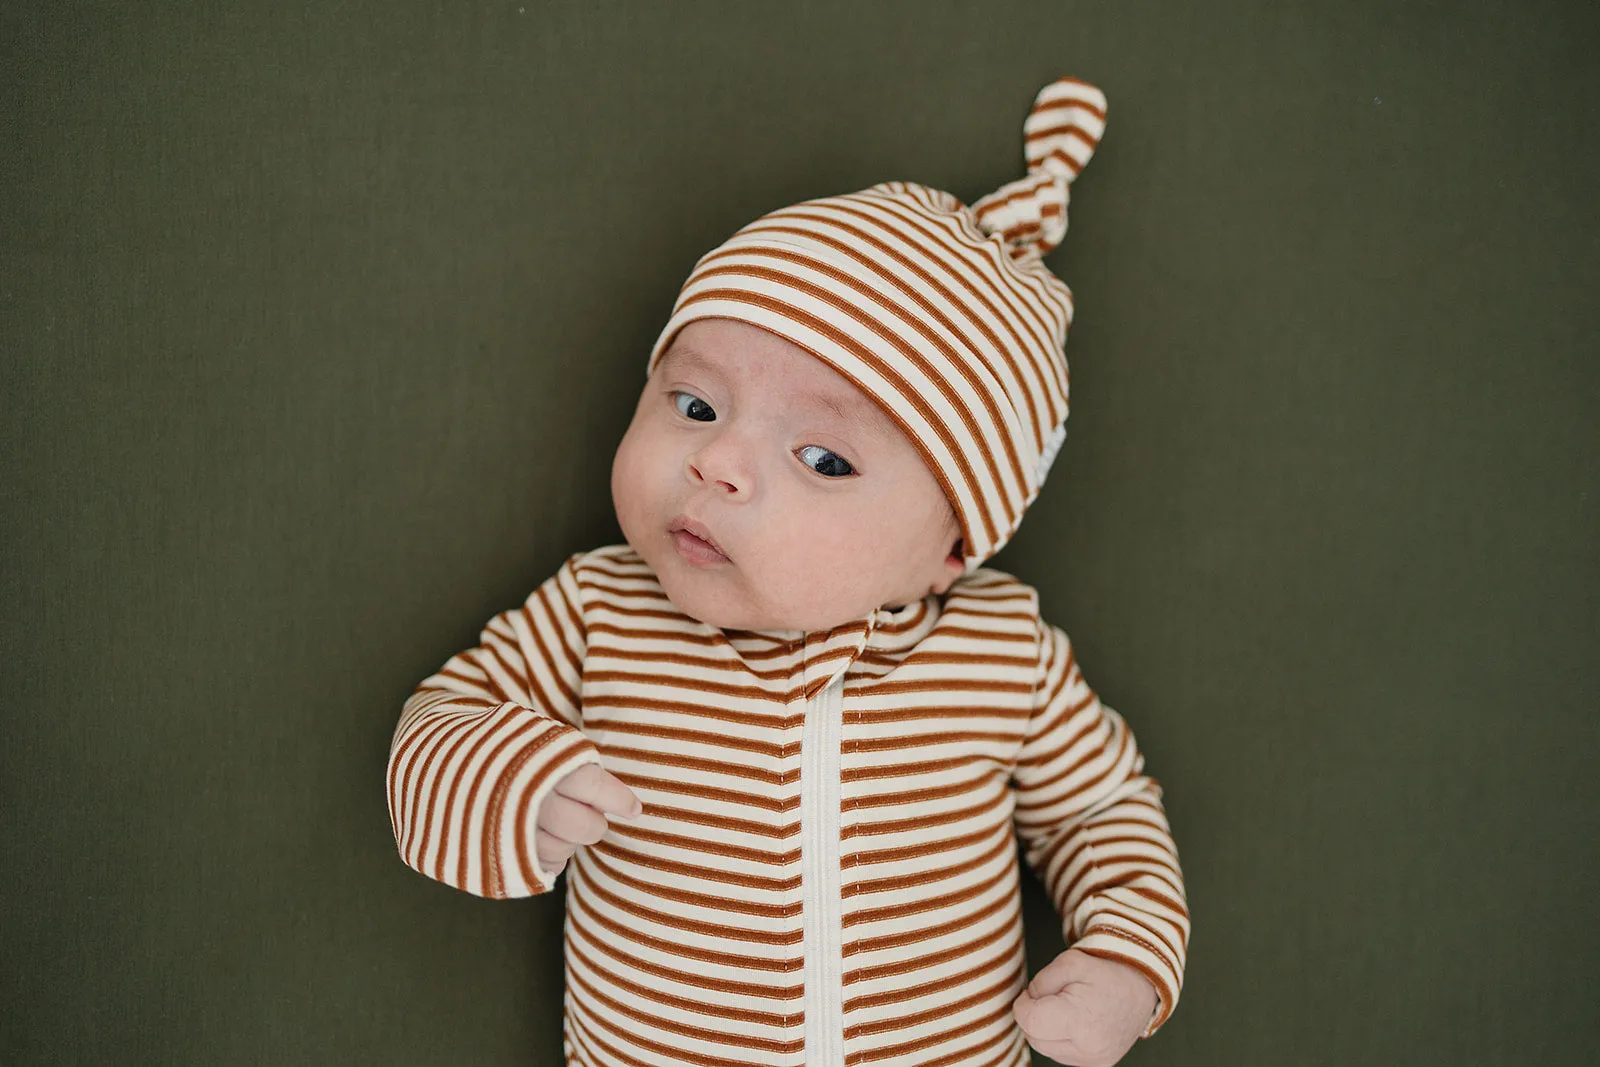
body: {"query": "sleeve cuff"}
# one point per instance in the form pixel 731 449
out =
pixel 511 864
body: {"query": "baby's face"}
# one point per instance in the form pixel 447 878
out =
pixel 768 493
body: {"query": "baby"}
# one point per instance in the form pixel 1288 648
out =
pixel 783 741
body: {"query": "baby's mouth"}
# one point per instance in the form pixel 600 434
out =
pixel 693 542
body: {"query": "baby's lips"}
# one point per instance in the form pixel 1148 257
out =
pixel 697 530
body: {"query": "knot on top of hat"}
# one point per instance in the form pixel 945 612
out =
pixel 1059 135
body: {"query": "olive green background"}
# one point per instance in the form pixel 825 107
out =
pixel 320 323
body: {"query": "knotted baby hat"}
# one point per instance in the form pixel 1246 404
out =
pixel 944 315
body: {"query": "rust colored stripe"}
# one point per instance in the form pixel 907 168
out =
pixel 666 920
pixel 688 975
pixel 707 848
pixel 926 714
pixel 688 763
pixel 666 891
pixel 915 964
pixel 919 879
pixel 699 1033
pixel 923 822
pixel 679 787
pixel 943 902
pixel 1016 1055
pixel 725 823
pixel 906 770
pixel 936 657
pixel 905 742
pixel 582 913
pixel 724 1010
pixel 1064 103
pixel 917 851
pixel 918 796
pixel 681 659
pixel 944 1011
pixel 759 720
pixel 695 872
pixel 1070 130
pixel 611 629
pixel 692 685
pixel 683 736
pixel 937 685
pixel 1027 192
pixel 987 635
pixel 909 1047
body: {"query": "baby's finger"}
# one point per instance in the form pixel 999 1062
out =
pixel 570 821
pixel 593 785
pixel 1054 976
pixel 1051 1020
pixel 553 853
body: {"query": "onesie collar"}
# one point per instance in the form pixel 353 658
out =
pixel 824 655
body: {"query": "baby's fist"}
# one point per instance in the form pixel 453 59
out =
pixel 574 813
pixel 1085 1011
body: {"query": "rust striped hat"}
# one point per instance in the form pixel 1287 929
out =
pixel 943 314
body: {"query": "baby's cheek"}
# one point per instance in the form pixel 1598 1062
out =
pixel 638 474
pixel 822 543
pixel 827 571
pixel 623 497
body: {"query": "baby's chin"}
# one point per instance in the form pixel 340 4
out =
pixel 715 607
pixel 719 598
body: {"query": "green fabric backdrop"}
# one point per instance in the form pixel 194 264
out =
pixel 320 323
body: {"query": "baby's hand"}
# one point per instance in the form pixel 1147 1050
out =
pixel 1085 1011
pixel 574 813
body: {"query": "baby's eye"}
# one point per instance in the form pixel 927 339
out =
pixel 824 462
pixel 692 407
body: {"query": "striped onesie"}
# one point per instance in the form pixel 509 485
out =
pixel 825 871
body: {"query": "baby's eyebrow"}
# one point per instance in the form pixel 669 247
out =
pixel 688 359
pixel 858 415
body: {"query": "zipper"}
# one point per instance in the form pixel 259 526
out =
pixel 820 742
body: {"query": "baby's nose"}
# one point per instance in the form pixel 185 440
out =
pixel 719 471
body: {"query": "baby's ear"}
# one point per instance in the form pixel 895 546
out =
pixel 949 571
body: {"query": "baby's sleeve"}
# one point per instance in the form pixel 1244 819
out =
pixel 1095 832
pixel 482 742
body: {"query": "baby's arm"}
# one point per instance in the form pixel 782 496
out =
pixel 1095 831
pixel 484 742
